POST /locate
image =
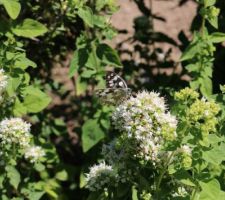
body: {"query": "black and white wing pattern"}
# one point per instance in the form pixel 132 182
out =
pixel 116 90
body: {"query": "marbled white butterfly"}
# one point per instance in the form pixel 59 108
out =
pixel 116 90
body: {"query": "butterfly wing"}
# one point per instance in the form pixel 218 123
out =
pixel 114 81
pixel 116 91
pixel 113 96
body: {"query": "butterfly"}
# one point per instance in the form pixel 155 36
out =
pixel 116 90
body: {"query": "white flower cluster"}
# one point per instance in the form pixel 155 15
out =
pixel 183 157
pixel 100 176
pixel 34 153
pixel 144 118
pixel 185 149
pixel 3 83
pixel 15 131
pixel 3 80
pixel 181 192
pixel 146 127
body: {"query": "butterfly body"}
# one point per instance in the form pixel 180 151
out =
pixel 116 91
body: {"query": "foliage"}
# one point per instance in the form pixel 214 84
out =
pixel 20 155
pixel 182 158
pixel 160 157
pixel 200 53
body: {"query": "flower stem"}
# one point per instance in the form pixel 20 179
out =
pixel 194 194
pixel 162 172
pixel 203 23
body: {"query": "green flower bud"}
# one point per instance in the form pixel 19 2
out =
pixel 186 94
pixel 213 11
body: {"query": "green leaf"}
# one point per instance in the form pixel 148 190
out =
pixel 79 60
pixel 81 86
pixel 35 195
pixel 12 7
pixel 93 61
pixel 209 2
pixel 134 194
pixel 39 167
pixel 192 68
pixel 2 178
pixel 62 175
pixel 31 193
pixel 222 195
pixel 4 197
pixel 83 181
pixel 91 134
pixel 100 21
pixel 19 109
pixel 100 4
pixel 207 71
pixel 185 178
pixel 190 52
pixel 88 73
pixel 210 190
pixel 222 88
pixel 215 155
pixel 86 15
pixel 13 176
pixel 23 62
pixel 13 84
pixel 29 28
pixel 108 55
pixel 217 37
pixel 35 100
pixel 206 86
pixel 195 84
pixel 214 139
pixel 213 21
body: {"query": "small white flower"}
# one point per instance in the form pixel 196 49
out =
pixel 99 176
pixel 15 131
pixel 145 119
pixel 34 153
pixel 3 80
pixel 181 192
pixel 186 149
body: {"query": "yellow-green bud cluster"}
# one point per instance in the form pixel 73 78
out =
pixel 202 114
pixel 186 94
pixel 212 11
pixel 182 158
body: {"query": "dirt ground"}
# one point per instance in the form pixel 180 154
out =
pixel 177 18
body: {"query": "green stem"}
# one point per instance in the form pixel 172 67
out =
pixel 203 23
pixel 163 171
pixel 194 194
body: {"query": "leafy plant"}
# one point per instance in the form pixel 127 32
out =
pixel 200 52
pixel 158 156
pixel 22 154
pixel 152 153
